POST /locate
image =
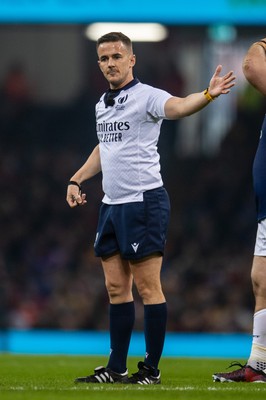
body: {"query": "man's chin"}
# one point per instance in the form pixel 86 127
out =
pixel 114 82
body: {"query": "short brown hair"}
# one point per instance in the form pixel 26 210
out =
pixel 115 37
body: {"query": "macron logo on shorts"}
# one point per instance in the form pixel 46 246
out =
pixel 135 246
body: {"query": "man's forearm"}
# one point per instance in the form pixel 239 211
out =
pixel 254 65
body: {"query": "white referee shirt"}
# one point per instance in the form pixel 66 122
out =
pixel 128 134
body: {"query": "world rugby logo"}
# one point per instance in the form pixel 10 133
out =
pixel 123 99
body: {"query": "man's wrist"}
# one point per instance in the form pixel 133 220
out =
pixel 207 95
pixel 75 183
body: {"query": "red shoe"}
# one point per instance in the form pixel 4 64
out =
pixel 244 374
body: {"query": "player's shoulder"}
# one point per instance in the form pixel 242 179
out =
pixel 147 89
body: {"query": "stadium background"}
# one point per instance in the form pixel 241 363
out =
pixel 49 79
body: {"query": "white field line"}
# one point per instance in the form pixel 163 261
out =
pixel 111 388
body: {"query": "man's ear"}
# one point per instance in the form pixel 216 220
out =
pixel 99 64
pixel 133 60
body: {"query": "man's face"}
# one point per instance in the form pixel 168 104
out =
pixel 116 62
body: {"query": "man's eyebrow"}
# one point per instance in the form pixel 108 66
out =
pixel 112 55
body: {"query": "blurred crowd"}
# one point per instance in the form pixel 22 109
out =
pixel 49 276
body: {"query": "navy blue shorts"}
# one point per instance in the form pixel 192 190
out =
pixel 259 174
pixel 135 230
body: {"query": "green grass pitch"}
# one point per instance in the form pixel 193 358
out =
pixel 51 378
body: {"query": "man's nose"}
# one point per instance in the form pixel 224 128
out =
pixel 110 62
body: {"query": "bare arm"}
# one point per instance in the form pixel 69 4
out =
pixel 89 169
pixel 254 66
pixel 177 107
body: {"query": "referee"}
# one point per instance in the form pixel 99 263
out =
pixel 135 209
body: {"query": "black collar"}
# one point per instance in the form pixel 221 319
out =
pixel 112 93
